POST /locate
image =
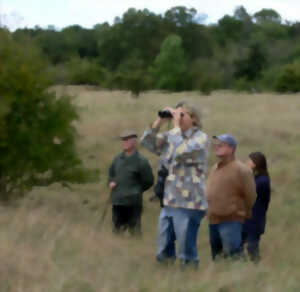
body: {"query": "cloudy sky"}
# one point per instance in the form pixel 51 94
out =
pixel 87 13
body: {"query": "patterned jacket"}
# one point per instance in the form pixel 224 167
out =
pixel 185 155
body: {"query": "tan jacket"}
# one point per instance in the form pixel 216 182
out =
pixel 230 192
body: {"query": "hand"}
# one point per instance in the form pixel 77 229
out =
pixel 177 116
pixel 112 185
pixel 159 121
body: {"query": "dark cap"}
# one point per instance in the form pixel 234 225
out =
pixel 227 138
pixel 128 134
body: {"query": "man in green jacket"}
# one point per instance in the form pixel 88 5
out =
pixel 130 174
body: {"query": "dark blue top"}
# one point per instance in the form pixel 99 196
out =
pixel 257 223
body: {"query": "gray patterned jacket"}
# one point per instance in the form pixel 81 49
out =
pixel 185 155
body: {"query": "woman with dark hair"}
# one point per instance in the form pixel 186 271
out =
pixel 253 228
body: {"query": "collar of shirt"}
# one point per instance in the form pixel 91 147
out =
pixel 188 133
pixel 124 155
pixel 221 164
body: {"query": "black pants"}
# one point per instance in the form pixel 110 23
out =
pixel 252 239
pixel 127 217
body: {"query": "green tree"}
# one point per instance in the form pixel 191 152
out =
pixel 228 28
pixel 80 41
pixel 186 23
pixel 53 45
pixel 170 65
pixel 267 15
pixel 241 14
pixel 132 76
pixel 251 67
pixel 138 34
pixel 180 15
pixel 37 132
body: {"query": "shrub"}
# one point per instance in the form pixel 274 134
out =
pixel 37 133
pixel 84 71
pixel 242 84
pixel 289 79
pixel 269 77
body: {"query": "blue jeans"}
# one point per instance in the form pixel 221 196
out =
pixel 182 225
pixel 226 239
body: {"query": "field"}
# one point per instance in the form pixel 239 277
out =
pixel 54 241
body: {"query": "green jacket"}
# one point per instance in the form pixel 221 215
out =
pixel 133 175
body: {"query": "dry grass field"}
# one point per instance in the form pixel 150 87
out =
pixel 53 240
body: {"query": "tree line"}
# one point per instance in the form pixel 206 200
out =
pixel 175 51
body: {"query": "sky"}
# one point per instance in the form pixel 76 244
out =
pixel 86 13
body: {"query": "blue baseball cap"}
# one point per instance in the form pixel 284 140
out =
pixel 227 138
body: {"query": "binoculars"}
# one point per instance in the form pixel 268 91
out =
pixel 165 114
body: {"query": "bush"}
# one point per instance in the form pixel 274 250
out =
pixel 269 77
pixel 289 79
pixel 37 133
pixel 242 84
pixel 84 71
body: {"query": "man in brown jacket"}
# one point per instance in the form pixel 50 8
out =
pixel 231 195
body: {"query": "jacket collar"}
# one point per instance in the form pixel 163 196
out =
pixel 224 163
pixel 188 133
pixel 123 154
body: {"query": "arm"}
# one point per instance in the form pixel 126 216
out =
pixel 111 175
pixel 154 141
pixel 249 190
pixel 146 175
pixel 263 191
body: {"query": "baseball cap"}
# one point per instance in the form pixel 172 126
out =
pixel 227 138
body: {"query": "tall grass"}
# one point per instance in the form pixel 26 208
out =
pixel 54 240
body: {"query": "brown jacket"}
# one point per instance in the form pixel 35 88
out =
pixel 230 192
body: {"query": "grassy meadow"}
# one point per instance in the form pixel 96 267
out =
pixel 53 240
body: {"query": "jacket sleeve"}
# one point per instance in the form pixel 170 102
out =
pixel 249 190
pixel 111 172
pixel 146 174
pixel 263 191
pixel 154 141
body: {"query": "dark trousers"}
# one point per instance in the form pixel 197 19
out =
pixel 127 217
pixel 252 239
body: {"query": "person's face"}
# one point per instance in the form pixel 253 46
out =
pixel 222 149
pixel 186 121
pixel 129 143
pixel 250 163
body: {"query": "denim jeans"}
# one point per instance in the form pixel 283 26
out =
pixel 182 225
pixel 226 239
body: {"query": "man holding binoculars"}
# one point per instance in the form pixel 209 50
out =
pixel 183 152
